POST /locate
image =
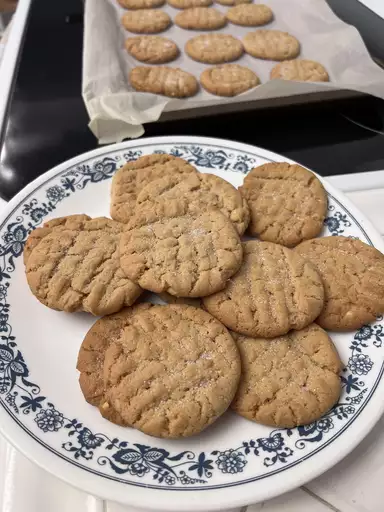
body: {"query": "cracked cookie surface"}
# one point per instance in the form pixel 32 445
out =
pixel 300 69
pixel 250 14
pixel 274 291
pixel 228 79
pixel 202 192
pixel 287 381
pixel 146 21
pixel 169 371
pixel 152 49
pixel 271 45
pixel 288 203
pixel 167 248
pixel 200 18
pixel 135 175
pixel 214 48
pixel 77 268
pixel 353 277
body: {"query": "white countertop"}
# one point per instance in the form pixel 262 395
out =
pixel 353 485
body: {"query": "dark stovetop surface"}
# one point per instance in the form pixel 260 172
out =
pixel 47 121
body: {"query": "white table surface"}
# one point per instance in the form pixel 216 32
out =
pixel 353 485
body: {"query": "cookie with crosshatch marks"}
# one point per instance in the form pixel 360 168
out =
pixel 152 49
pixel 288 203
pixel 200 18
pixel 160 369
pixel 228 79
pixel 214 48
pixel 141 4
pixel 146 21
pixel 353 277
pixel 287 381
pixel 301 70
pixel 76 267
pixel 135 175
pixel 187 254
pixel 271 44
pixel 273 292
pixel 202 192
pixel 172 82
pixel 250 14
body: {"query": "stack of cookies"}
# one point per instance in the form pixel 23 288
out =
pixel 238 327
pixel 143 17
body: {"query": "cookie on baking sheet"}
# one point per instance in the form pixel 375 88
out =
pixel 141 4
pixel 135 175
pixel 172 82
pixel 167 248
pixel 273 292
pixel 200 18
pixel 288 203
pixel 214 48
pixel 353 278
pixel 288 381
pixel 162 368
pixel 271 44
pixel 228 79
pixel 75 222
pixel 152 49
pixel 250 15
pixel 76 268
pixel 146 21
pixel 202 192
pixel 187 4
pixel 301 70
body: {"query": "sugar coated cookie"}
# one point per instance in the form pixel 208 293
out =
pixel 271 44
pixel 228 79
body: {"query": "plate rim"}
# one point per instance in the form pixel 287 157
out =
pixel 210 499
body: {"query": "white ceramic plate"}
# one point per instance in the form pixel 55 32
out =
pixel 235 462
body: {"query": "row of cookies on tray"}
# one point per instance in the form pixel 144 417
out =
pixel 174 241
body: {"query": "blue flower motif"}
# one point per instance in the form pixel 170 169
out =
pixel 170 480
pixel 324 425
pixel 241 167
pixel 364 333
pixel 231 461
pixel 37 214
pixel 89 440
pixel 138 469
pixel 14 238
pixel 32 403
pixel 351 383
pixel 360 364
pixel 272 443
pixel 3 322
pixel 55 193
pixel 102 170
pixel 332 224
pixel 49 420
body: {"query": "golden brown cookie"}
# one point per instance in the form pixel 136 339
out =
pixel 172 82
pixel 233 2
pixel 288 203
pixel 166 248
pixel 271 44
pixel 146 21
pixel 301 70
pixel 228 79
pixel 188 301
pixel 201 192
pixel 214 48
pixel 169 371
pixel 152 49
pixel 273 292
pixel 135 175
pixel 288 381
pixel 141 4
pixel 353 277
pixel 77 268
pixel 187 4
pixel 250 15
pixel 200 18
pixel 35 237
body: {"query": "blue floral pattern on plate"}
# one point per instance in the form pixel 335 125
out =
pixel 20 395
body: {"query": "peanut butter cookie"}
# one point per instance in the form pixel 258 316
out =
pixel 152 49
pixel 233 2
pixel 202 192
pixel 271 44
pixel 76 268
pixel 353 277
pixel 187 4
pixel 146 21
pixel 172 82
pixel 288 381
pixel 301 70
pixel 214 48
pixel 288 203
pixel 228 79
pixel 273 292
pixel 135 175
pixel 167 248
pixel 250 15
pixel 200 18
pixel 141 4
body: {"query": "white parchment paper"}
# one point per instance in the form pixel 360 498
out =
pixel 116 111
